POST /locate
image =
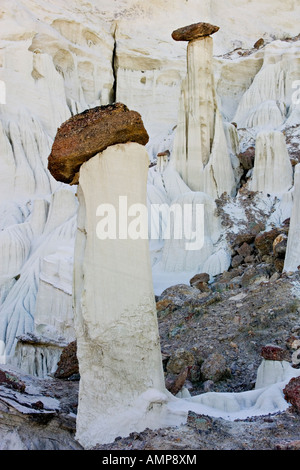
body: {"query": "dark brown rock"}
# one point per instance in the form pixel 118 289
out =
pixel 279 264
pixel 12 381
pixel 247 158
pixel 272 352
pixel 200 281
pixel 292 393
pixel 194 31
pixel 88 133
pixel 264 241
pixel 246 237
pixel 68 362
pixel 236 261
pixel 245 250
pixel 259 43
pixel 202 277
pixel 175 383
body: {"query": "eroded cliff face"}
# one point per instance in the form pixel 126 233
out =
pixel 57 61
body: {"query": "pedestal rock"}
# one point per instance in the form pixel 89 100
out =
pixel 200 153
pixel 121 378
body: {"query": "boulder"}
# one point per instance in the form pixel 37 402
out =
pixel 272 352
pixel 68 363
pixel 264 241
pixel 246 158
pixel 175 383
pixel 179 361
pixel 279 246
pixel 200 281
pixel 12 381
pixel 292 393
pixel 214 368
pixel 84 135
pixel 194 31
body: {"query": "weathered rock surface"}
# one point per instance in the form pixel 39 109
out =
pixel 194 31
pixel 88 133
pixel 68 363
pixel 37 414
pixel 272 352
pixel 292 393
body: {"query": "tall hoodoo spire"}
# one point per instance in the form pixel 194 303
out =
pixel 200 152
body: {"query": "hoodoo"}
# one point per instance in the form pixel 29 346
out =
pixel 200 153
pixel 121 377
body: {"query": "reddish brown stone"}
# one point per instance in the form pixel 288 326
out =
pixel 245 250
pixel 68 362
pixel 175 383
pixel 203 277
pixel 12 381
pixel 273 353
pixel 292 445
pixel 247 158
pixel 88 133
pixel 264 241
pixel 194 31
pixel 236 261
pixel 259 43
pixel 292 393
pixel 241 238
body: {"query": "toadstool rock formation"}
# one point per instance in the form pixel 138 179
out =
pixel 121 377
pixel 90 132
pixel 200 153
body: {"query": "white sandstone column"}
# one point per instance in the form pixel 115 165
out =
pixel 292 257
pixel 272 172
pixel 121 377
pixel 200 146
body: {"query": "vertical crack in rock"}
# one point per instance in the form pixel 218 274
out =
pixel 114 66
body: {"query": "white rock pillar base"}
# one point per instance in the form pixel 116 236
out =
pixel 121 377
pixel 200 153
pixel 292 257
